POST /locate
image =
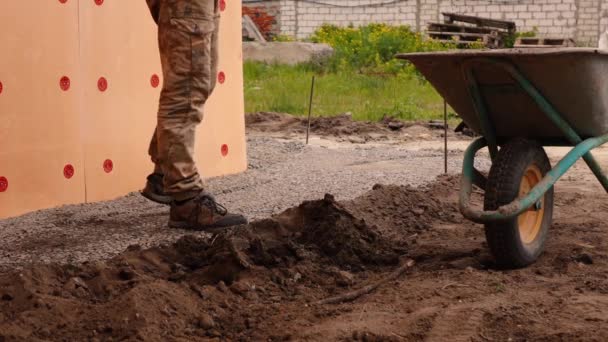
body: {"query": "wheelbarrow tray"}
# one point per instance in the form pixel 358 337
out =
pixel 573 80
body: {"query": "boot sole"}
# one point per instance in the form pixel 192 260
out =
pixel 157 198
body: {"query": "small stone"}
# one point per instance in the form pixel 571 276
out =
pixel 418 211
pixel 80 283
pixel 356 140
pixel 585 259
pixel 344 278
pixel 44 332
pixel 199 291
pixel 437 124
pixel 215 333
pixel 297 277
pixel 395 125
pixel 222 287
pixel 126 274
pixel 377 187
pixel 134 248
pixel 177 276
pixel 206 322
pixel 239 288
pixel 329 198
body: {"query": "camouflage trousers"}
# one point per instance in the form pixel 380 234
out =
pixel 188 44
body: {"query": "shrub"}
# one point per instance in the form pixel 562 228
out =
pixel 371 48
pixel 510 41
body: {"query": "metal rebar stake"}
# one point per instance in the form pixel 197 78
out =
pixel 312 90
pixel 445 136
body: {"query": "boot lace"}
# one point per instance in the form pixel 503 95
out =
pixel 209 202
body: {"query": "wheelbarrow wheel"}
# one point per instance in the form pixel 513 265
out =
pixel 518 167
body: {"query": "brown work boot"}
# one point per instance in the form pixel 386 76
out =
pixel 154 190
pixel 201 213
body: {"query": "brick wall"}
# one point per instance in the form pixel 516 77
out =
pixel 604 16
pixel 289 22
pixel 582 20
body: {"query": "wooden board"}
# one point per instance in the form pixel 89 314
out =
pixel 89 142
pixel 40 130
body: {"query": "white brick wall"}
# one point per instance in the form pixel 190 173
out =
pixel 579 19
pixel 352 12
pixel 604 17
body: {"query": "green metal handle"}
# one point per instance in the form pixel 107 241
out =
pixel 520 205
pixel 552 113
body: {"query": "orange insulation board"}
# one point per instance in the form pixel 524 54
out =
pixel 79 88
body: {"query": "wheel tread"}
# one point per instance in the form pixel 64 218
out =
pixel 502 188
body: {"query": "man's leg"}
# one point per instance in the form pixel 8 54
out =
pixel 187 32
pixel 154 182
pixel 154 189
pixel 153 152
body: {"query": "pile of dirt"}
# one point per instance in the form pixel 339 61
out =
pixel 269 281
pixel 413 210
pixel 344 128
pixel 222 286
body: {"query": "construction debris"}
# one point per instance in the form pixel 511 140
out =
pixel 251 30
pixel 467 30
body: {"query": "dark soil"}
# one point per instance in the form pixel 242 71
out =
pixel 344 128
pixel 260 282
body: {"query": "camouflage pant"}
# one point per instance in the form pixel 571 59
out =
pixel 188 44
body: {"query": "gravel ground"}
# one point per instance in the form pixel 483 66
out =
pixel 282 173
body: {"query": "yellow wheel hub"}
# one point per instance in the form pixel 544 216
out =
pixel 530 221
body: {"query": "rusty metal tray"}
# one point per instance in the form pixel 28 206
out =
pixel 573 80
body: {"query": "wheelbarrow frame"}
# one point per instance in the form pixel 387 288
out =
pixel 470 175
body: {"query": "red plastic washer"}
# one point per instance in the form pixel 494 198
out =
pixel 3 184
pixel 222 5
pixel 64 83
pixel 102 84
pixel 221 77
pixel 68 171
pixel 98 2
pixel 224 150
pixel 155 81
pixel 1 87
pixel 63 1
pixel 108 165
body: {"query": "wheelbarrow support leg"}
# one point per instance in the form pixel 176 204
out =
pixel 482 113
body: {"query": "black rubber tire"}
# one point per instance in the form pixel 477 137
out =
pixel 502 188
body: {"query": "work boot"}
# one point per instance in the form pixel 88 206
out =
pixel 201 213
pixel 154 189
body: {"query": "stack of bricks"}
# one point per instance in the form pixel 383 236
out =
pixel 265 15
pixel 581 20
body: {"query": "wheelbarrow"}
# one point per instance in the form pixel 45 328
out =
pixel 518 101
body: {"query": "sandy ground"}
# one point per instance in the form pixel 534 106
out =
pixel 265 281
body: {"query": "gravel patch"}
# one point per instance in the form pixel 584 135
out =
pixel 282 173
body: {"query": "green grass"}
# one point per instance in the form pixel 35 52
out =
pixel 286 89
